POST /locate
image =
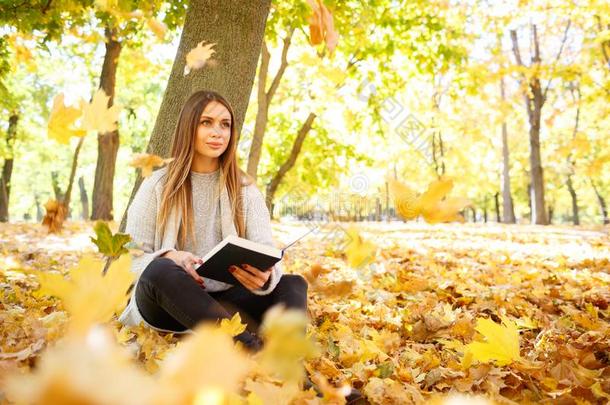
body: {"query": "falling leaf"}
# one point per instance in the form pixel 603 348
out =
pixel 286 343
pixel 433 204
pixel 186 371
pixel 405 200
pixel 89 296
pixel 61 121
pixel 147 162
pixel 359 252
pixel 108 244
pixel 97 116
pixel 55 216
pixel 233 326
pixel 198 57
pixel 501 342
pixel 321 26
pixel 157 27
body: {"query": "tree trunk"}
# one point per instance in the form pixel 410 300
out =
pixel 497 206
pixel 576 95
pixel 66 198
pixel 529 202
pixel 107 143
pixel 508 209
pixel 39 210
pixel 534 100
pixel 7 168
pixel 264 99
pixel 59 195
pixel 83 198
pixel 575 216
pixel 289 163
pixel 237 28
pixel 602 203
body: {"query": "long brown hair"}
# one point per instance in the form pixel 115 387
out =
pixel 177 191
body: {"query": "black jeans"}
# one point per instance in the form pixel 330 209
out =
pixel 168 298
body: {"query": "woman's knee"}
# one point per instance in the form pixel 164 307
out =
pixel 158 271
pixel 294 282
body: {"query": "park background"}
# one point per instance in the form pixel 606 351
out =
pixel 452 156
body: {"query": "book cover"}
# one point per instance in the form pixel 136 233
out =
pixel 234 250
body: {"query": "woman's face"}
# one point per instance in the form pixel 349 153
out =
pixel 214 130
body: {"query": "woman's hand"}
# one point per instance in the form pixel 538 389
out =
pixel 187 261
pixel 251 277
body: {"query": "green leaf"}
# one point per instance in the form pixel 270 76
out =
pixel 385 369
pixel 108 244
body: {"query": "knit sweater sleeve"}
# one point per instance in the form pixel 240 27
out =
pixel 142 224
pixel 258 229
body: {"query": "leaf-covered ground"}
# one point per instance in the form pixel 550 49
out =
pixel 518 313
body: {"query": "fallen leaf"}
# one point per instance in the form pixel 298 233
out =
pixel 501 342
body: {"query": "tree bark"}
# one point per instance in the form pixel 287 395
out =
pixel 264 98
pixel 7 168
pixel 289 163
pixel 107 143
pixel 237 28
pixel 508 209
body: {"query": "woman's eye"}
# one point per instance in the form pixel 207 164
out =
pixel 226 125
pixel 205 122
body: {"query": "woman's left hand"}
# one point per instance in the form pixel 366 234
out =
pixel 251 277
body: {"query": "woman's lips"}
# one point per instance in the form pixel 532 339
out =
pixel 214 145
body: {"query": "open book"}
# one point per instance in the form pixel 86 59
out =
pixel 234 250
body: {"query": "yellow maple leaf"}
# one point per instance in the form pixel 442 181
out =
pixel 359 251
pixel 89 296
pixel 233 326
pixel 97 116
pixel 61 121
pixel 198 57
pixel 147 162
pixel 501 345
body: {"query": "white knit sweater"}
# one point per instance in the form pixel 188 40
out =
pixel 212 223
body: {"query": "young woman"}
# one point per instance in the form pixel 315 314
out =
pixel 182 211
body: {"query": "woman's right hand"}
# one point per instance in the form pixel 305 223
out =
pixel 187 261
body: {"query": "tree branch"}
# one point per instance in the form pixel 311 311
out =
pixel 284 64
pixel 563 42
